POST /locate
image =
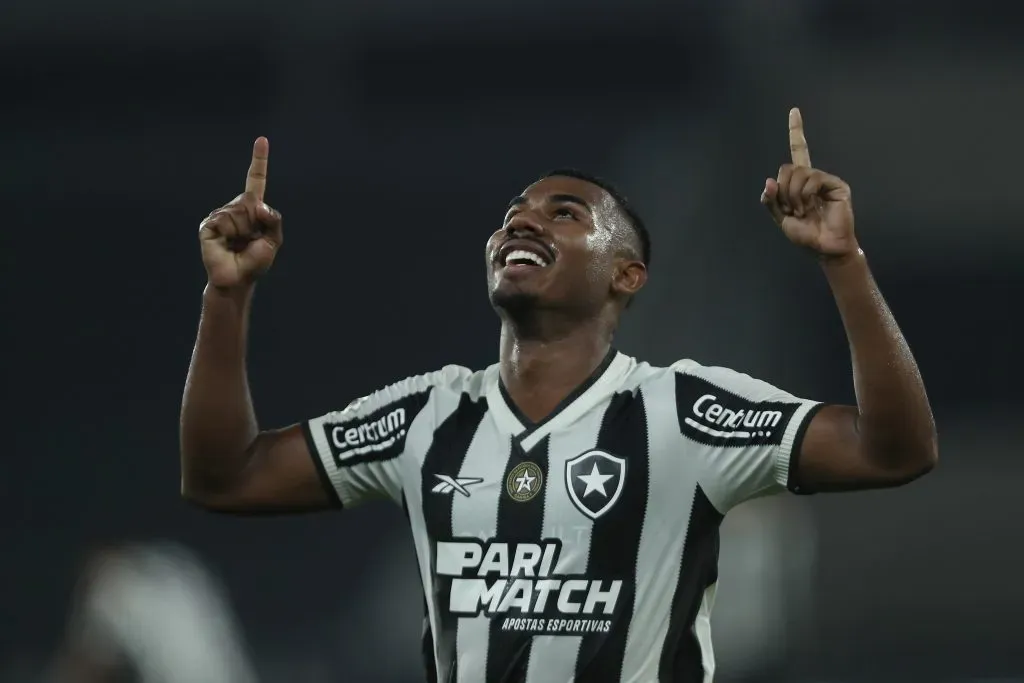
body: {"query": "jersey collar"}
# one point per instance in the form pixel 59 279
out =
pixel 601 384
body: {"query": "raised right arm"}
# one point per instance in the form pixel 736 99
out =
pixel 227 463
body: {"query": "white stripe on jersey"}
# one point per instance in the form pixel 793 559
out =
pixel 441 406
pixel 672 484
pixel 553 658
pixel 477 517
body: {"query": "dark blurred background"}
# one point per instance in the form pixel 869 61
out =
pixel 399 130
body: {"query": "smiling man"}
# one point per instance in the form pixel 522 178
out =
pixel 565 501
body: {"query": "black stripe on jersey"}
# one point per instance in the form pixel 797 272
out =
pixel 376 437
pixel 532 426
pixel 427 649
pixel 793 480
pixel 681 656
pixel 446 454
pixel 615 538
pixel 508 652
pixel 325 481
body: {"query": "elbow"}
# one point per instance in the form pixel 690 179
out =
pixel 928 458
pixel 193 498
pixel 206 500
pixel 194 495
pixel 921 464
pixel 922 453
pixel 191 490
pixel 208 485
pixel 202 494
pixel 931 452
pixel 910 462
pixel 900 451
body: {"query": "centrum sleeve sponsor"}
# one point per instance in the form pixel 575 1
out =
pixel 357 449
pixel 744 431
pixel 375 434
pixel 720 416
pixel 362 436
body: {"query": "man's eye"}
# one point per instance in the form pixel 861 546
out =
pixel 564 212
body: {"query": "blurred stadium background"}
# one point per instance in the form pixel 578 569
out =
pixel 399 131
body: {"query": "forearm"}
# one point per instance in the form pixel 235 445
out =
pixel 895 421
pixel 218 423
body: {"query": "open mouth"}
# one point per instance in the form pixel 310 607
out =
pixel 523 253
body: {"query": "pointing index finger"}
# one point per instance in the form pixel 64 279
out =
pixel 797 142
pixel 256 179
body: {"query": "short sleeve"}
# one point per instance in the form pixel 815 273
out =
pixel 746 433
pixel 361 451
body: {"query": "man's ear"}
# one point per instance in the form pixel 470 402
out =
pixel 630 277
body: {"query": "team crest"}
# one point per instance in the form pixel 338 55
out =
pixel 524 482
pixel 594 482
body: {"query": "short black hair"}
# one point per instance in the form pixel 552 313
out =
pixel 635 221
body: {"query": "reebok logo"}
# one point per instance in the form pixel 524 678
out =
pixel 450 484
pixel 712 415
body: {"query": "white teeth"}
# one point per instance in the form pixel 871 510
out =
pixel 523 255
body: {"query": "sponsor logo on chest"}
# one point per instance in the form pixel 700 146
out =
pixel 517 582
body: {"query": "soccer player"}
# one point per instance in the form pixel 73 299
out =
pixel 565 501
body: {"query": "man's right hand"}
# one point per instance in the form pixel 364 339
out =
pixel 240 240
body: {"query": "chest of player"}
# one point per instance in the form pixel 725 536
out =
pixel 546 501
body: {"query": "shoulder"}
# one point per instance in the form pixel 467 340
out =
pixel 708 390
pixel 379 422
pixel 416 388
pixel 403 401
pixel 692 374
pixel 449 378
pixel 688 372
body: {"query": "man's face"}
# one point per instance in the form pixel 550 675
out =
pixel 556 248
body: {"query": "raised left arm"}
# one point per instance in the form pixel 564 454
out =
pixel 889 438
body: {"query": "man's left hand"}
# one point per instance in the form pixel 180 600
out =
pixel 813 208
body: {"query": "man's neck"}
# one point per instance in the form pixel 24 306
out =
pixel 539 373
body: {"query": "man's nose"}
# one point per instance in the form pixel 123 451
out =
pixel 523 225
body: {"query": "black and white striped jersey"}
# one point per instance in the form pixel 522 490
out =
pixel 580 548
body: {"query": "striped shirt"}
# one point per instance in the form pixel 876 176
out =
pixel 580 548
